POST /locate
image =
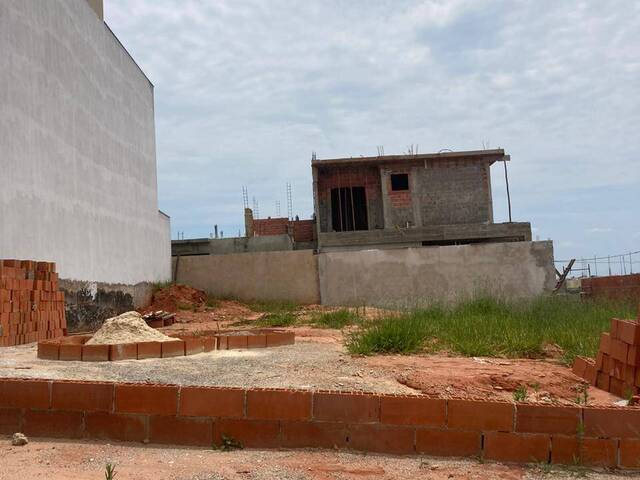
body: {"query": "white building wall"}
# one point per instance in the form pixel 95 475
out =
pixel 77 147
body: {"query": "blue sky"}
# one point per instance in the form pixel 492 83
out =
pixel 245 90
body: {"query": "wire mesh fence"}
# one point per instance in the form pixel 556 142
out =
pixel 621 264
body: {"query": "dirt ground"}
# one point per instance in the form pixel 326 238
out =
pixel 318 360
pixel 86 460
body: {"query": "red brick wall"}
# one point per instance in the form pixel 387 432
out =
pixel 273 418
pixel 31 307
pixel 616 287
pixel 300 230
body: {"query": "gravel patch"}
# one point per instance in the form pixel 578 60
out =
pixel 305 365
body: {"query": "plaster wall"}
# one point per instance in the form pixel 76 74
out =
pixel 77 147
pixel 413 277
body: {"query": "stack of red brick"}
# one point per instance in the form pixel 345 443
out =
pixel 31 307
pixel 617 366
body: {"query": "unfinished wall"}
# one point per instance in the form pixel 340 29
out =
pixel 340 177
pixel 254 276
pixel 417 276
pixel 77 147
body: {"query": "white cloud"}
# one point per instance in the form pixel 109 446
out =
pixel 599 230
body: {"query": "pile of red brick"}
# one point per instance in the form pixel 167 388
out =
pixel 617 366
pixel 31 307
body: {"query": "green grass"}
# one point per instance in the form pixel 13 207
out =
pixel 273 306
pixel 278 319
pixel 337 319
pixel 488 327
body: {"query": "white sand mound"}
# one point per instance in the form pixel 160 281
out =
pixel 127 328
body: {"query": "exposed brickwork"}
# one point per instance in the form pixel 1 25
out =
pixel 625 287
pixel 299 230
pixel 617 365
pixel 31 306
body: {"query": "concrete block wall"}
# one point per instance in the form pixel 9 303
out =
pixel 414 277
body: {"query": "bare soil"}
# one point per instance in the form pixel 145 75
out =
pixel 176 297
pixel 318 360
pixel 86 460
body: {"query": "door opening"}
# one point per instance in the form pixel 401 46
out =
pixel 349 209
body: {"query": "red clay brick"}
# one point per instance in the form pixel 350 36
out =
pixel 127 428
pixel 613 329
pixel 569 450
pixel 147 399
pixel 392 439
pixel 72 352
pixel 279 405
pixel 346 407
pixel 478 415
pixel 603 381
pixel 89 397
pixel 251 433
pixel 209 343
pixel 629 332
pixel 123 351
pixel 605 343
pixel 633 356
pixel 174 348
pixel 611 422
pixel 193 346
pixel 149 350
pixel 314 435
pixel 399 410
pixel 278 339
pixel 211 402
pixel 590 373
pixel 547 419
pixel 95 353
pixel 24 394
pixel 237 341
pixel 630 453
pixel 181 430
pixel 619 350
pixel 455 443
pixel 48 351
pixel 257 341
pixel 53 424
pixel 10 420
pixel 223 343
pixel 516 447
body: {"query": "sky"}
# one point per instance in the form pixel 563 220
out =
pixel 246 90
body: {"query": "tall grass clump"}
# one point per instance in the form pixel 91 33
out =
pixel 273 306
pixel 490 327
pixel 277 319
pixel 337 319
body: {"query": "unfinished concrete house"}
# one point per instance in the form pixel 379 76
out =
pixel 78 157
pixel 409 201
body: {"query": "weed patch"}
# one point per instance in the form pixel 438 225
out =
pixel 337 319
pixel 280 319
pixel 490 328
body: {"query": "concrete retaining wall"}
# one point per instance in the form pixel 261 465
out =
pixel 413 277
pixel 254 276
pixel 77 148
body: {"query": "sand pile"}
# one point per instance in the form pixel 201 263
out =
pixel 127 328
pixel 177 297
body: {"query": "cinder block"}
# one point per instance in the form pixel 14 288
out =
pixel 568 450
pixel 149 350
pixel 392 439
pixel 95 353
pixel 314 434
pixel 123 351
pixel 24 394
pixel 126 428
pixel 53 424
pixel 174 348
pixel 181 431
pixel 611 422
pixel 251 433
